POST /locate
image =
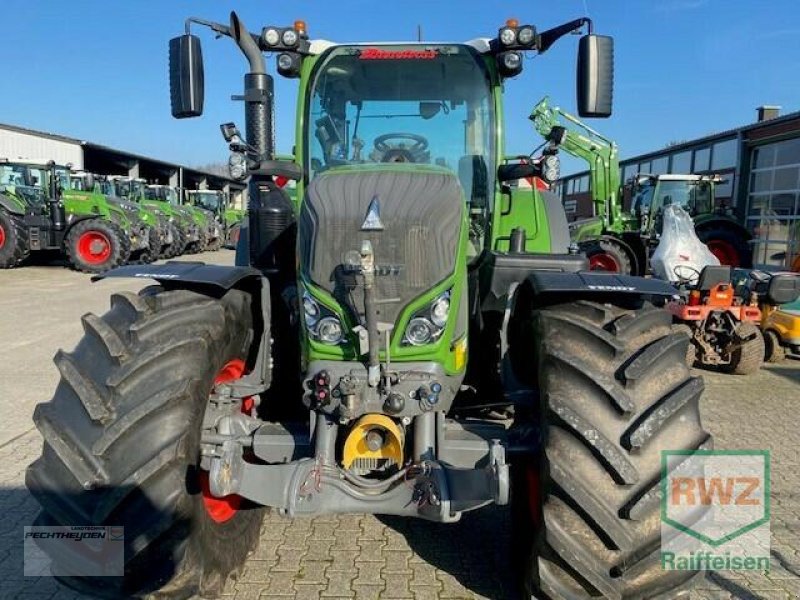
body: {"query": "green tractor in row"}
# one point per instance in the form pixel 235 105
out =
pixel 188 232
pixel 158 239
pixel 227 218
pixel 416 340
pixel 619 241
pixel 206 207
pixel 39 211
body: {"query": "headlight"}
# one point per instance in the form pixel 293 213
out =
pixel 508 36
pixel 512 60
pixel 237 166
pixel 428 324
pixel 321 324
pixel 311 310
pixel 329 330
pixel 440 310
pixel 419 331
pixel 550 168
pixel 271 36
pixel 289 37
pixel 525 35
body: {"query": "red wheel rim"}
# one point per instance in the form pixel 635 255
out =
pixel 724 251
pixel 2 236
pixel 224 509
pixel 603 262
pixel 94 247
pixel 532 482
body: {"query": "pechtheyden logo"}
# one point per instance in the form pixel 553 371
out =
pixel 74 551
pixel 715 510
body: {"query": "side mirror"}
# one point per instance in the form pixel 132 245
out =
pixel 595 75
pixel 516 170
pixel 186 80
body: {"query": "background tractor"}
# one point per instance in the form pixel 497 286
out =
pixel 208 207
pixel 39 212
pixel 149 247
pixel 187 233
pixel 619 241
pixel 347 363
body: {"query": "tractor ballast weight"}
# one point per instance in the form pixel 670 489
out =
pixel 346 363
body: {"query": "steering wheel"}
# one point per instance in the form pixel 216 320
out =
pixel 680 273
pixel 400 153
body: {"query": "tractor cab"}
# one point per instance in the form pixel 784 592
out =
pixel 26 182
pixel 210 200
pixel 162 193
pixel 652 193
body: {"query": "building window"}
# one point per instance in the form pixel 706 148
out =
pixel 659 165
pixel 644 167
pixel 788 152
pixel 725 189
pixel 628 171
pixel 724 155
pixel 773 203
pixel 702 158
pixel 681 162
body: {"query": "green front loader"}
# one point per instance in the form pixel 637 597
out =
pixel 413 337
pixel 40 212
pixel 619 241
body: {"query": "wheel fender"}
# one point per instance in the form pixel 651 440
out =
pixel 214 281
pixel 10 206
pixel 188 275
pixel 591 285
pixel 718 223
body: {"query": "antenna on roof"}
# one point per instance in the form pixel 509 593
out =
pixel 419 33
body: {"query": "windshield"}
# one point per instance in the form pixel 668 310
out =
pixel 693 196
pixel 24 181
pixel 207 200
pixel 410 104
pixel 163 194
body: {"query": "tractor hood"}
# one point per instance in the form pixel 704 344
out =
pixel 412 216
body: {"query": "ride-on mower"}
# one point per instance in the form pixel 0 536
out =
pixel 777 296
pixel 722 326
pixel 345 364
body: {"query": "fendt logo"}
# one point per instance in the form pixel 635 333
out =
pixel 715 509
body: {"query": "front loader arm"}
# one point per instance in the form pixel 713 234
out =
pixel 584 142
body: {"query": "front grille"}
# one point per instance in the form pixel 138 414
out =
pixel 421 213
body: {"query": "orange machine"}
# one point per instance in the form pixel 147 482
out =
pixel 722 325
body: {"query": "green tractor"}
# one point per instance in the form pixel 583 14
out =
pixel 88 185
pixel 208 206
pixel 39 212
pixel 620 241
pixel 418 340
pixel 186 230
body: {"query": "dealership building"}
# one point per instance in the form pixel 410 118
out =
pixel 760 166
pixel 22 143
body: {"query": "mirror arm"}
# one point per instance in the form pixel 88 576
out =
pixel 551 36
pixel 217 27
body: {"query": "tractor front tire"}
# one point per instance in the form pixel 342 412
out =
pixel 178 242
pixel 774 352
pixel 121 441
pixel 749 357
pixel 97 245
pixel 614 391
pixel 607 255
pixel 13 240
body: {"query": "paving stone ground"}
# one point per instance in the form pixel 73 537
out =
pixel 364 557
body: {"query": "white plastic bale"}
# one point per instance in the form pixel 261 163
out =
pixel 680 255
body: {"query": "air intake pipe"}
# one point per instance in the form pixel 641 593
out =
pixel 271 220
